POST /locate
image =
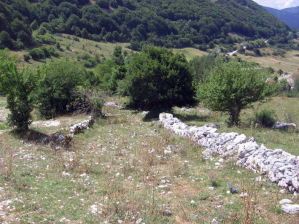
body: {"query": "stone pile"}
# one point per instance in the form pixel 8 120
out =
pixel 280 167
pixel 78 128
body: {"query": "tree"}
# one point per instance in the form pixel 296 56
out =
pixel 232 87
pixel 57 84
pixel 5 40
pixel 103 4
pixel 280 72
pixel 18 86
pixel 104 73
pixel 159 78
pixel 201 67
pixel 117 56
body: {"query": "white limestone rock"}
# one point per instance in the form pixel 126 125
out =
pixel 291 209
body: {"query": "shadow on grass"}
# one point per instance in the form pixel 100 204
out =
pixel 153 114
pixel 191 117
pixel 31 136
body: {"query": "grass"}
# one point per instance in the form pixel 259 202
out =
pixel 118 171
pixel 190 52
pixel 286 109
pixel 102 49
pixel 288 64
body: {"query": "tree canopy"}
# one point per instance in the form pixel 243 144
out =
pixel 169 23
pixel 232 86
pixel 158 77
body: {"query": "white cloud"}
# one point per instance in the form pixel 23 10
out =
pixel 278 4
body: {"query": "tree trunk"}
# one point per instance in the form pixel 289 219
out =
pixel 234 116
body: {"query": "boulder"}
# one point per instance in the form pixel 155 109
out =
pixel 285 201
pixel 291 209
pixel 281 125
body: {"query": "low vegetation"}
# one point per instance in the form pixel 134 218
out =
pixel 119 171
pixel 127 168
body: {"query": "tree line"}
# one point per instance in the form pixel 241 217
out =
pixel 169 23
pixel 153 79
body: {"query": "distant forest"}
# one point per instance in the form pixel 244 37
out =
pixel 170 23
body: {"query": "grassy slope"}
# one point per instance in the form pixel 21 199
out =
pixel 112 166
pixel 120 167
pixel 104 50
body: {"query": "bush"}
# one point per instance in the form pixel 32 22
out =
pixel 37 54
pixel 265 118
pixel 158 77
pixel 57 85
pixel 18 86
pixel 296 87
pixel 26 57
pixel 232 86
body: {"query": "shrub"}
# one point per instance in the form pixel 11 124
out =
pixel 159 78
pixel 265 118
pixel 37 54
pixel 231 87
pixel 58 82
pixel 296 87
pixel 26 57
pixel 18 86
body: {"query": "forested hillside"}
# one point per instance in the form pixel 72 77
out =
pixel 170 23
pixel 290 16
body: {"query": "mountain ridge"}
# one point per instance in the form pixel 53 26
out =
pixel 289 15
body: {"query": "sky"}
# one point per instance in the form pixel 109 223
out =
pixel 278 4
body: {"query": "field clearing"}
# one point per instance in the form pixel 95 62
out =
pixel 71 48
pixel 190 52
pixel 119 171
pixel 289 63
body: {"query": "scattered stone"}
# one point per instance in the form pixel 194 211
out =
pixel 211 188
pixel 167 213
pixel 232 189
pixel 139 221
pixel 94 209
pixel 283 191
pixel 112 104
pixel 167 152
pixel 243 195
pixel 212 125
pixel 214 221
pixel 281 125
pixel 285 201
pixel 291 209
pixel 46 140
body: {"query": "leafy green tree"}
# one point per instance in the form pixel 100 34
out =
pixel 103 3
pixel 57 85
pixel 104 72
pixel 231 87
pixel 18 86
pixel 117 56
pixel 37 54
pixel 159 78
pixel 5 40
pixel 34 25
pixel 296 86
pixel 201 67
pixel 280 72
pixel 284 86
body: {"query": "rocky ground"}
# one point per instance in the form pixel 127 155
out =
pixel 125 170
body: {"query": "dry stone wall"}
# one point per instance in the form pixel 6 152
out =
pixel 280 167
